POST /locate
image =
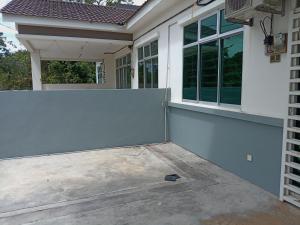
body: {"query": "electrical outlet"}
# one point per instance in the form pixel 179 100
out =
pixel 249 157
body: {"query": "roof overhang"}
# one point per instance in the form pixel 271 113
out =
pixel 50 22
pixel 152 10
pixel 71 48
pixel 67 40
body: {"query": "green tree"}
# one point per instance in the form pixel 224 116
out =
pixel 116 2
pixel 60 72
pixel 3 47
pixel 15 71
pixel 95 2
pixel 109 2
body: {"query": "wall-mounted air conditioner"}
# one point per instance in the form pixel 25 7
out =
pixel 243 10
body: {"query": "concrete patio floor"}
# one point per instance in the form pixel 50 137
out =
pixel 125 186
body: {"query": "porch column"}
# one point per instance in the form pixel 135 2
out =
pixel 36 71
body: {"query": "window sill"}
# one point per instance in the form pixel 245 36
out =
pixel 229 112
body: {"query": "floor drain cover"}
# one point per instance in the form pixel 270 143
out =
pixel 172 177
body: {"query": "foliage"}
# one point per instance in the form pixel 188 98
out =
pixel 116 2
pixel 95 2
pixel 15 71
pixel 3 47
pixel 60 72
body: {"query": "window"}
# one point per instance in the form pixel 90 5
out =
pixel 212 60
pixel 100 73
pixel 191 33
pixel 123 72
pixel 148 65
pixel 190 59
pixel 209 26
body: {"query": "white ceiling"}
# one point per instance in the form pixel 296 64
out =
pixel 76 49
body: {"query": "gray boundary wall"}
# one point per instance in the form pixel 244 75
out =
pixel 225 138
pixel 47 122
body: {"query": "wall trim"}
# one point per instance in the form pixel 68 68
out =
pixel 271 121
pixel 70 32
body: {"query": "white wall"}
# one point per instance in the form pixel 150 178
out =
pixel 265 85
pixel 110 81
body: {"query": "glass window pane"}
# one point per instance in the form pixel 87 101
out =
pixel 226 26
pixel 147 50
pixel 129 77
pixel 190 58
pixel 148 73
pixel 117 63
pixel 121 79
pixel 154 48
pixel 124 85
pixel 117 78
pixel 191 33
pixel 209 26
pixel 140 53
pixel 124 61
pixel 141 75
pixel 232 66
pixel 155 72
pixel 209 72
pixel 128 59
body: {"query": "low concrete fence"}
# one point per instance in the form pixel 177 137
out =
pixel 226 138
pixel 46 122
pixel 57 87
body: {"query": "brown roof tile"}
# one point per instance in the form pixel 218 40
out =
pixel 70 11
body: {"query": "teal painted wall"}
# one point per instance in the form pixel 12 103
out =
pixel 225 141
pixel 35 123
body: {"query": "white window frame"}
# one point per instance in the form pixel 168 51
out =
pixel 125 66
pixel 148 43
pixel 216 37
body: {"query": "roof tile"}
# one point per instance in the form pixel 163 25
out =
pixel 70 11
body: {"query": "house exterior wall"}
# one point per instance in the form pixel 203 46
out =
pixel 264 94
pixel 226 139
pixel 110 78
pixel 265 85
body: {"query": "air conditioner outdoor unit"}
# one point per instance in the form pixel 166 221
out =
pixel 243 10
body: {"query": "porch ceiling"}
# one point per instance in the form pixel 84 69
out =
pixel 69 48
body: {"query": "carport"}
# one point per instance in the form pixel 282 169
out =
pixel 56 30
pixel 126 186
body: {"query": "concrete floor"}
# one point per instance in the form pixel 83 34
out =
pixel 125 186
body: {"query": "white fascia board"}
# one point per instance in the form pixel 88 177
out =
pixel 147 39
pixel 136 18
pixel 27 45
pixel 29 37
pixel 48 22
pixel 202 11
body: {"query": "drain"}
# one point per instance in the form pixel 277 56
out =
pixel 172 177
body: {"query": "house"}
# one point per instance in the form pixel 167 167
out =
pixel 230 99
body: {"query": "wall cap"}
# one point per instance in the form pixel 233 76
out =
pixel 271 121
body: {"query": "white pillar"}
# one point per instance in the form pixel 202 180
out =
pixel 36 71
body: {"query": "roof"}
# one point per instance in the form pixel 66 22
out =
pixel 71 11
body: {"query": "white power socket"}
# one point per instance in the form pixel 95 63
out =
pixel 249 157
